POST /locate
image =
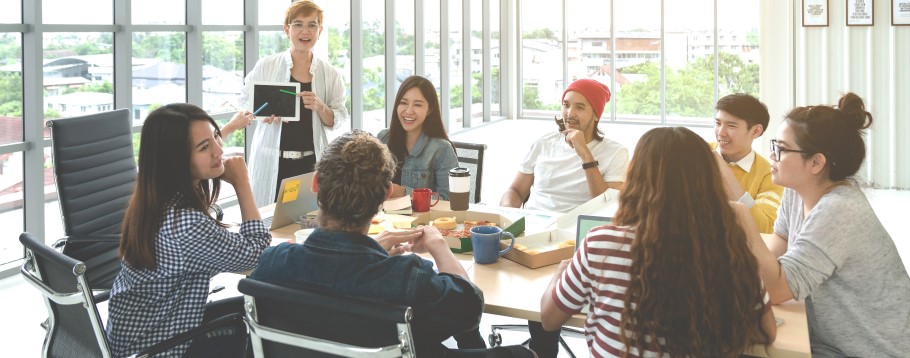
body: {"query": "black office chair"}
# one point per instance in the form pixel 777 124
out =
pixel 470 155
pixel 288 322
pixel 95 173
pixel 74 326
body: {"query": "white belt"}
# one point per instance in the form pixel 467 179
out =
pixel 294 154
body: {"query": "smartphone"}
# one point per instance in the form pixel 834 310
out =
pixel 561 123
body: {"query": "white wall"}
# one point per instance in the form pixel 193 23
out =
pixel 815 65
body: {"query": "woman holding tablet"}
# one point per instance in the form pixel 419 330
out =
pixel 292 148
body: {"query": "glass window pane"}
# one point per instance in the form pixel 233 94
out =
pixel 589 44
pixel 159 12
pixel 337 34
pixel 541 58
pixel 222 12
pixel 637 61
pixel 738 46
pixel 477 69
pixel 12 11
pixel 11 214
pixel 10 89
pixel 495 59
pixel 404 40
pixel 159 71
pixel 85 12
pixel 78 73
pixel 374 113
pixel 272 42
pixel 271 12
pixel 455 68
pixel 222 79
pixel 689 51
pixel 431 42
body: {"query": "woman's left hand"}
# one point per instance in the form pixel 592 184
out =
pixel 311 101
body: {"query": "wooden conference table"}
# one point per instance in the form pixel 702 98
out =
pixel 513 290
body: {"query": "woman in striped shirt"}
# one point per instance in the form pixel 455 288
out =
pixel 674 276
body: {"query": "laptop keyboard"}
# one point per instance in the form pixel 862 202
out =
pixel 268 221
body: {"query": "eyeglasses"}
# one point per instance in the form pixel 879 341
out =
pixel 776 150
pixel 312 26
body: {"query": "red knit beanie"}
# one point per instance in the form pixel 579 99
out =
pixel 595 92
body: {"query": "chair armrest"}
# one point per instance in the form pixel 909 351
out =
pixel 190 335
pixel 91 238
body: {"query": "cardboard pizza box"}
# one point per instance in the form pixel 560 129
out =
pixel 458 239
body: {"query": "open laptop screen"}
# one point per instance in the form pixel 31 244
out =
pixel 586 223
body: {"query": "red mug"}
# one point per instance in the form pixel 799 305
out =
pixel 420 199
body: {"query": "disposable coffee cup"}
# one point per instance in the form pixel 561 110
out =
pixel 459 188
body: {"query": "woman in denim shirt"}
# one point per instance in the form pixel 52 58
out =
pixel 418 140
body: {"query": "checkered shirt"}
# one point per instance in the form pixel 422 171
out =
pixel 149 306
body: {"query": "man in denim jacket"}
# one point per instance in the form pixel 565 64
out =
pixel 352 180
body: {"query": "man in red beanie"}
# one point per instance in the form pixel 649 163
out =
pixel 566 169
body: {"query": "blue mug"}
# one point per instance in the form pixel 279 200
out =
pixel 485 240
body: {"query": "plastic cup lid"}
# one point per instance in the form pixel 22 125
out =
pixel 459 172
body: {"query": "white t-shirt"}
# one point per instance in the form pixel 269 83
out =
pixel 559 181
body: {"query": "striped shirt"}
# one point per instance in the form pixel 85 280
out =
pixel 598 278
pixel 149 306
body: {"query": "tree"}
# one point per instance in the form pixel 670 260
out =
pixel 220 52
pixel 540 34
pixel 164 46
pixel 373 89
pixel 530 99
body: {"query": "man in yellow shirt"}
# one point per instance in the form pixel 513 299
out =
pixel 739 120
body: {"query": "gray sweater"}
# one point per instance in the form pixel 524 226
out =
pixel 844 264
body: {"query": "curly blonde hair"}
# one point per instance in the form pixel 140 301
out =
pixel 354 176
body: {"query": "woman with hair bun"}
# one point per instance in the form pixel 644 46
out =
pixel 828 246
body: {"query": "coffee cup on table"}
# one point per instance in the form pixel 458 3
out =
pixel 420 199
pixel 485 240
pixel 459 188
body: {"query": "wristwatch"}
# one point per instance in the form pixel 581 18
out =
pixel 589 165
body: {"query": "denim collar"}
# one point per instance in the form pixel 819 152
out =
pixel 350 242
pixel 420 145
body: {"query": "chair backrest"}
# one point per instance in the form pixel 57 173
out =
pixel 95 172
pixel 74 326
pixel 288 322
pixel 470 155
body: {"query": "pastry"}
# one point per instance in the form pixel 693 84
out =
pixel 377 221
pixel 444 223
pixel 567 243
pixel 519 247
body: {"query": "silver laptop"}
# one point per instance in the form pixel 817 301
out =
pixel 585 224
pixel 295 199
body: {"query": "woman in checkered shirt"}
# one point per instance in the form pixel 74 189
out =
pixel 170 245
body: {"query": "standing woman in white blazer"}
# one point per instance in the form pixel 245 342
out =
pixel 292 148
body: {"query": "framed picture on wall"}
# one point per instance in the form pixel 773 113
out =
pixel 900 12
pixel 815 13
pixel 859 13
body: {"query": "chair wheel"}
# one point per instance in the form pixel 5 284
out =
pixel 495 339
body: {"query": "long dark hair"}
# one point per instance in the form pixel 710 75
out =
pixel 694 282
pixel 164 171
pixel 836 133
pixel 432 126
